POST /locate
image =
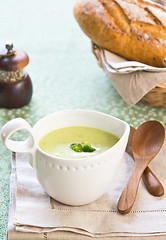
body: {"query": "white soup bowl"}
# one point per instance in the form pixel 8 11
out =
pixel 71 181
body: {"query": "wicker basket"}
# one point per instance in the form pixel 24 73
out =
pixel 155 97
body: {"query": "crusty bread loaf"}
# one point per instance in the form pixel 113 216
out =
pixel 133 29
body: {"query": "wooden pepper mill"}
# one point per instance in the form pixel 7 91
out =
pixel 15 85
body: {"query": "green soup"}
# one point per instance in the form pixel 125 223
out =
pixel 58 142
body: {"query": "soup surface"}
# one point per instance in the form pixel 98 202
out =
pixel 58 142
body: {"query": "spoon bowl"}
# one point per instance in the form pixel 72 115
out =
pixel 147 142
pixel 148 139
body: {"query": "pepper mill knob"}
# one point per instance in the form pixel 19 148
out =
pixel 15 84
pixel 9 47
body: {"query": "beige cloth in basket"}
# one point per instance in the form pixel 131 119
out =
pixel 34 215
pixel 133 83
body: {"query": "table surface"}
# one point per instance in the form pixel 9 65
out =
pixel 64 73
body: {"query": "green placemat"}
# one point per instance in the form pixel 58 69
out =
pixel 64 74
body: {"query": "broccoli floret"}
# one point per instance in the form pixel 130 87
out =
pixel 82 147
pixel 86 147
pixel 77 147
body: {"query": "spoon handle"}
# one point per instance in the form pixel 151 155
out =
pixel 129 193
pixel 151 182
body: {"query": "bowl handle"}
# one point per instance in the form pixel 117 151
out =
pixel 27 145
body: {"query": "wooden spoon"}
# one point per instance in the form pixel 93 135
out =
pixel 147 142
pixel 151 182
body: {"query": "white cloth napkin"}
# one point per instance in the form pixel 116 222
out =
pixel 34 215
pixel 118 65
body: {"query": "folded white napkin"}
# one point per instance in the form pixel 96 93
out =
pixel 118 65
pixel 34 215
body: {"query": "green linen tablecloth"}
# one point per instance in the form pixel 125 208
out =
pixel 64 74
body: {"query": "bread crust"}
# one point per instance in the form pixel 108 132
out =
pixel 133 29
